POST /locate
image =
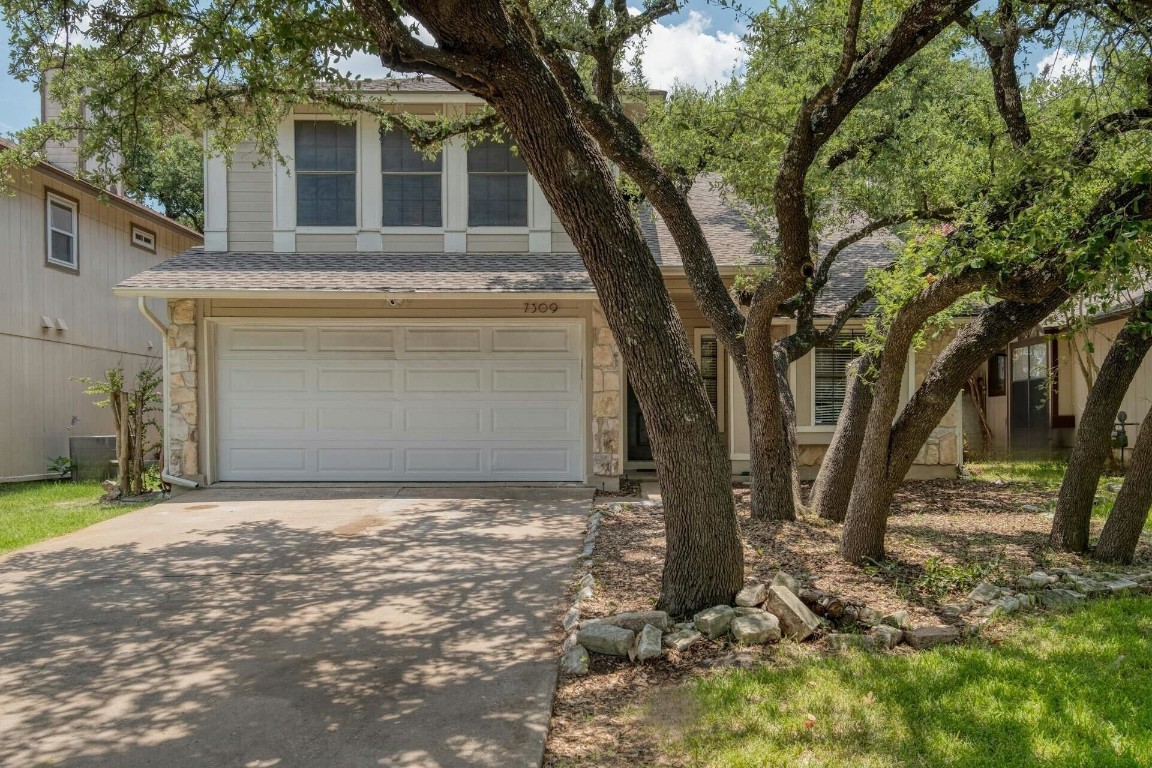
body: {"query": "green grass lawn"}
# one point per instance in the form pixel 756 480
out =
pixel 31 512
pixel 1063 690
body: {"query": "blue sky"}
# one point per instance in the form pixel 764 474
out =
pixel 697 46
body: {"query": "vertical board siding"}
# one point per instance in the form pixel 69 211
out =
pixel 37 365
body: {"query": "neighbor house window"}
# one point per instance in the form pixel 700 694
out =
pixel 62 217
pixel 412 196
pixel 831 379
pixel 142 238
pixel 998 374
pixel 497 187
pixel 325 174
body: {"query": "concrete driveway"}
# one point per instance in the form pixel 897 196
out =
pixel 301 626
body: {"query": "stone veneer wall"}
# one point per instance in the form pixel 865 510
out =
pixel 183 433
pixel 607 401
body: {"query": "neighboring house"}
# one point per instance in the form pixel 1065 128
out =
pixel 1034 392
pixel 63 248
pixel 364 314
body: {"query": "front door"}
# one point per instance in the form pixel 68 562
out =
pixel 1029 407
pixel 639 449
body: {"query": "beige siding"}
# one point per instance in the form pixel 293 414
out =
pixel 381 308
pixel 561 242
pixel 1138 400
pixel 250 186
pixel 413 243
pixel 316 243
pixel 486 243
pixel 37 396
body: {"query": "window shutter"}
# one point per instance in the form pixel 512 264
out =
pixel 831 380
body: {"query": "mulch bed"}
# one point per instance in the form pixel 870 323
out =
pixel 943 537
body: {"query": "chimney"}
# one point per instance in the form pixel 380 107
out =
pixel 66 155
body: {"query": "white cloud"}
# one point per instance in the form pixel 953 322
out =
pixel 688 53
pixel 1060 64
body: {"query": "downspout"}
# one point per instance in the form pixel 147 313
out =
pixel 183 482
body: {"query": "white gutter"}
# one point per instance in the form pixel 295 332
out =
pixel 142 303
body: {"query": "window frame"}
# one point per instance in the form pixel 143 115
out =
pixel 51 196
pixel 844 336
pixel 412 229
pixel 328 229
pixel 721 372
pixel 497 229
pixel 135 229
pixel 998 377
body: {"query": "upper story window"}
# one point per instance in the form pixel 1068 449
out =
pixel 412 183
pixel 62 217
pixel 831 378
pixel 143 239
pixel 497 187
pixel 325 174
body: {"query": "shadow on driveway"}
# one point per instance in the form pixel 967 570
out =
pixel 280 627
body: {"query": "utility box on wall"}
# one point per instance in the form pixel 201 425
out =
pixel 93 457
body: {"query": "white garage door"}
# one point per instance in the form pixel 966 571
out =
pixel 413 402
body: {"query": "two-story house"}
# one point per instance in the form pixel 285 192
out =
pixel 362 313
pixel 63 244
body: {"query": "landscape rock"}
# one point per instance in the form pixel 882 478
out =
pixel 869 617
pixel 569 643
pixel 606 639
pixel 1030 508
pixel 747 610
pixel 796 621
pixel 888 637
pixel 987 611
pixel 1008 604
pixel 575 661
pixel 923 638
pixel 782 579
pixel 953 610
pixel 756 628
pixel 714 621
pixel 984 593
pixel 1059 598
pixel 587 580
pixel 585 593
pixel 571 618
pixel 636 620
pixel 647 644
pixel 682 639
pixel 1036 580
pixel 753 594
pixel 1088 587
pixel 897 619
pixel 1122 586
pixel 838 641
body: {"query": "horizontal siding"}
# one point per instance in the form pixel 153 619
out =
pixel 413 243
pixel 497 243
pixel 561 242
pixel 249 201
pixel 314 243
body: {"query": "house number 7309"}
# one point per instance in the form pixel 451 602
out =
pixel 531 308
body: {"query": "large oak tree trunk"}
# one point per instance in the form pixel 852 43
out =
pixel 704 555
pixel 1094 434
pixel 1123 527
pixel 833 487
pixel 772 457
pixel 878 478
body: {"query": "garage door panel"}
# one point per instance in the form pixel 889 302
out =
pixel 342 380
pixel 372 419
pixel 371 461
pixel 245 379
pixel 427 379
pixel 558 421
pixel 355 340
pixel 443 340
pixel 438 460
pixel 521 461
pixel 390 402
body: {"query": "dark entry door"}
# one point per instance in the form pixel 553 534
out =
pixel 639 449
pixel 1029 406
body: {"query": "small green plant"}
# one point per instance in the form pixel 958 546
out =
pixel 940 579
pixel 62 465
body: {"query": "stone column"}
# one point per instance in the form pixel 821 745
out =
pixel 183 413
pixel 607 404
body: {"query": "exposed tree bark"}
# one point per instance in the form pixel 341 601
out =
pixel 1094 433
pixel 833 487
pixel 889 449
pixel 488 50
pixel 1124 525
